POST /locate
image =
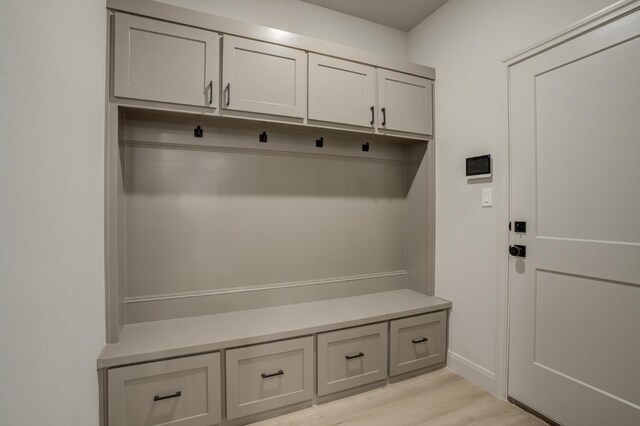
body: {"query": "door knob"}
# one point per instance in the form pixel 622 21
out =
pixel 518 251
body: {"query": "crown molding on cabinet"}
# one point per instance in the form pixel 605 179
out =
pixel 179 15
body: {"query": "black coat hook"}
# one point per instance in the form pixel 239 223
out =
pixel 365 147
pixel 320 142
pixel 262 137
pixel 198 132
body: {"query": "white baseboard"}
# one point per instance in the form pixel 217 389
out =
pixel 472 371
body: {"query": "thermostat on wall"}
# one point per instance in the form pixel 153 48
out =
pixel 479 167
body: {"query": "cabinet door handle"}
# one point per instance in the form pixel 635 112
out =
pixel 266 376
pixel 210 92
pixel 360 355
pixel 372 115
pixel 160 398
pixel 228 93
pixel 415 342
pixel 384 116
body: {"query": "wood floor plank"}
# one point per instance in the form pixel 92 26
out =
pixel 440 398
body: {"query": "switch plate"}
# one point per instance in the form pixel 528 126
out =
pixel 487 198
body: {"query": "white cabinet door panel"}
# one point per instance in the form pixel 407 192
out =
pixel 341 91
pixel 164 62
pixel 264 78
pixel 405 103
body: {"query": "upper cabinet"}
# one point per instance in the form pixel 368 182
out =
pixel 178 64
pixel 159 61
pixel 405 103
pixel 263 78
pixel 341 91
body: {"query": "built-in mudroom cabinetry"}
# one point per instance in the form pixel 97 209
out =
pixel 269 220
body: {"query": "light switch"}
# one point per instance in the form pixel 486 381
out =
pixel 487 199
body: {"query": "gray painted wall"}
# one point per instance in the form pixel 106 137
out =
pixel 225 222
pixel 307 19
pixel 465 41
pixel 51 215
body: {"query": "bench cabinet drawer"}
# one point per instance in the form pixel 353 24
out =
pixel 182 391
pixel 417 342
pixel 269 376
pixel 351 358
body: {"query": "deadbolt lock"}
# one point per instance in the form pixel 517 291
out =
pixel 518 251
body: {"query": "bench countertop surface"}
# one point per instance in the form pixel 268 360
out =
pixel 156 340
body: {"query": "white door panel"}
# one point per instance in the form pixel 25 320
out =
pixel 341 91
pixel 574 120
pixel 263 78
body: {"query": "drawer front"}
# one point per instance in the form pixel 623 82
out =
pixel 183 391
pixel 417 342
pixel 351 358
pixel 269 376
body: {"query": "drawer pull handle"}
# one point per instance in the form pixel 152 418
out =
pixel 266 376
pixel 360 355
pixel 424 339
pixel 160 398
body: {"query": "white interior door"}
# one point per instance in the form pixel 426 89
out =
pixel 405 103
pixel 263 78
pixel 341 91
pixel 574 345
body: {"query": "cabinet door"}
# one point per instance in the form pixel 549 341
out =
pixel 417 342
pixel 164 62
pixel 263 78
pixel 341 91
pixel 405 103
pixel 178 392
pixel 269 376
pixel 351 358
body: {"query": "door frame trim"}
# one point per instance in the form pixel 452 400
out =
pixel 604 16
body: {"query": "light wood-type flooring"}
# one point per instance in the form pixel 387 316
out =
pixel 440 398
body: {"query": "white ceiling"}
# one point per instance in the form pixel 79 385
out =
pixel 399 14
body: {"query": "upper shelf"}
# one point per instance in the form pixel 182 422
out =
pixel 178 337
